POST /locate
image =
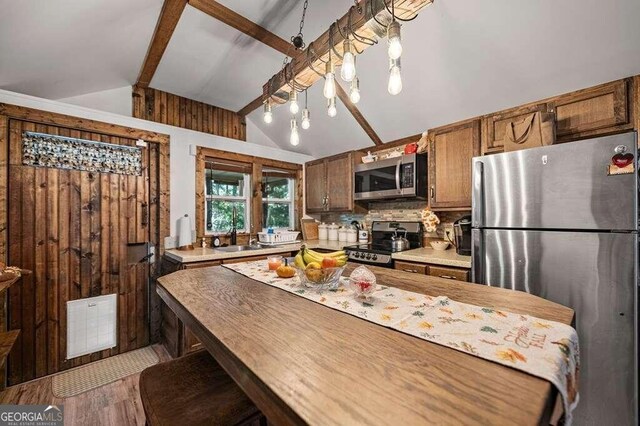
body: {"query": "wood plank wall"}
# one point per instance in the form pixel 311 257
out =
pixel 72 229
pixel 167 108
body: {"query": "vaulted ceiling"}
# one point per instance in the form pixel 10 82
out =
pixel 461 58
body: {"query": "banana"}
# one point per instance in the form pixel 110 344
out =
pixel 338 253
pixel 299 260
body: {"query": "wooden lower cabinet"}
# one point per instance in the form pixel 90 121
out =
pixel 447 272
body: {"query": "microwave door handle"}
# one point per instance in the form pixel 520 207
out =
pixel 398 166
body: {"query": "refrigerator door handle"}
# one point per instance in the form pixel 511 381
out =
pixel 477 195
pixel 477 257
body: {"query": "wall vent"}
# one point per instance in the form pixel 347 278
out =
pixel 91 325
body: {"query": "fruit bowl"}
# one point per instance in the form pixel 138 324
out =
pixel 320 279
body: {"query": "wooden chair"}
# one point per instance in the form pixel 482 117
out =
pixel 194 390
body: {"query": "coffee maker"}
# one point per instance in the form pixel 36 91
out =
pixel 462 236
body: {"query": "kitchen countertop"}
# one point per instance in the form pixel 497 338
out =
pixel 199 254
pixel 428 255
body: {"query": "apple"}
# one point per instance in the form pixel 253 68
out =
pixel 329 262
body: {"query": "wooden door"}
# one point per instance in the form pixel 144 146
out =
pixel 315 186
pixel 450 153
pixel 340 183
pixel 495 125
pixel 72 229
pixel 592 112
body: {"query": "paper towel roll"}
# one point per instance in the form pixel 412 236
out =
pixel 184 231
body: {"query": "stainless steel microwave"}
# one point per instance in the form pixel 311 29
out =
pixel 399 177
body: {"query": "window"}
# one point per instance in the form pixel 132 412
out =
pixel 278 199
pixel 225 191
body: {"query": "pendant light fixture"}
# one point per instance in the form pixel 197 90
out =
pixel 306 120
pixel 295 136
pixel 267 116
pixel 395 80
pixel 329 80
pixel 293 102
pixel 354 90
pixel 348 70
pixel 331 107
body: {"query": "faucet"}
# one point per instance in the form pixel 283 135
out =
pixel 234 226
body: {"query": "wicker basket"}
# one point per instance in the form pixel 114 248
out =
pixel 278 237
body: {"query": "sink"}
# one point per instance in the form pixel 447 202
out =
pixel 234 249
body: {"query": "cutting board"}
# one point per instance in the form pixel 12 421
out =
pixel 309 229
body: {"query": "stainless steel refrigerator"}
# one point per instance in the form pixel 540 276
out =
pixel 559 222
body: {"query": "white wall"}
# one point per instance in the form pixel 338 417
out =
pixel 117 101
pixel 182 164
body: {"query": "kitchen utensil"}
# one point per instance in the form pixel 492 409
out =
pixel 399 243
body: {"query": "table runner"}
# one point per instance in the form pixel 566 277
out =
pixel 545 349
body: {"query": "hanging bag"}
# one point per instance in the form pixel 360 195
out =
pixel 536 129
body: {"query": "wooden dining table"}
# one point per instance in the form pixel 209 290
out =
pixel 304 363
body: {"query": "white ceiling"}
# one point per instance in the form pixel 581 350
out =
pixel 461 58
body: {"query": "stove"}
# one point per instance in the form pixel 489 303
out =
pixel 379 251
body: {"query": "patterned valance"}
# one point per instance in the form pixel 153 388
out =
pixel 42 150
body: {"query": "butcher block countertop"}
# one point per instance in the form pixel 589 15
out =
pixel 437 257
pixel 302 362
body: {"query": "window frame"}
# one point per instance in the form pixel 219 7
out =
pixel 291 201
pixel 246 188
pixel 256 166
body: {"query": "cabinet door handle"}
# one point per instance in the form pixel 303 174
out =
pixel 145 215
pixel 415 271
pixel 449 277
pixel 432 192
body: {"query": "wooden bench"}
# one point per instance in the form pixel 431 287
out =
pixel 194 390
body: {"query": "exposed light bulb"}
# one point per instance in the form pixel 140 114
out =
pixel 395 80
pixel 395 45
pixel 331 107
pixel 306 120
pixel 354 91
pixel 295 136
pixel 329 90
pixel 293 102
pixel 348 70
pixel 267 116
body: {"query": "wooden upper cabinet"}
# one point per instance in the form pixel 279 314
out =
pixel 329 184
pixel 340 183
pixel 315 185
pixel 494 125
pixel 596 111
pixel 451 149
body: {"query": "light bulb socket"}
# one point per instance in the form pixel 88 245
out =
pixel 306 114
pixel 293 96
pixel 393 30
pixel 347 46
pixel 294 124
pixel 331 107
pixel 329 68
pixel 267 107
pixel 395 63
pixel 354 90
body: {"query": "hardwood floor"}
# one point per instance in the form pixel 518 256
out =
pixel 115 404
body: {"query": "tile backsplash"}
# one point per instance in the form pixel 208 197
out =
pixel 396 210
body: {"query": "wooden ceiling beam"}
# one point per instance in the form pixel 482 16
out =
pixel 242 24
pixel 344 97
pixel 167 22
pixel 369 20
pixel 251 106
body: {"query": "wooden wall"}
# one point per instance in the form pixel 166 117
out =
pixel 162 107
pixel 72 229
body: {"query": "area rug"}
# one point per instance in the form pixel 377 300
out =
pixel 82 379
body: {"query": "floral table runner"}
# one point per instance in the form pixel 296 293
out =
pixel 545 349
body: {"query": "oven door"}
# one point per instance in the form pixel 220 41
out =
pixel 380 179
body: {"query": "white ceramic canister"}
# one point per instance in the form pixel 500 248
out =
pixel 342 234
pixel 333 232
pixel 352 235
pixel 323 233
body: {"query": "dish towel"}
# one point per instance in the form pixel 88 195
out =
pixel 545 349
